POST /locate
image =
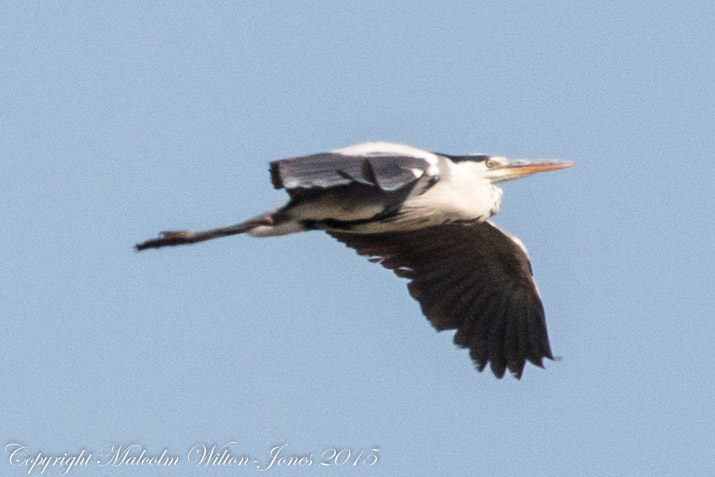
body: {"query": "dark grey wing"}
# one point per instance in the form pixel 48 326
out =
pixel 331 169
pixel 473 278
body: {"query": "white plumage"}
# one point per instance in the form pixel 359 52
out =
pixel 424 216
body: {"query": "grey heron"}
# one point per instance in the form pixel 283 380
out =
pixel 423 215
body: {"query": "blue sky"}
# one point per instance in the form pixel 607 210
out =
pixel 122 120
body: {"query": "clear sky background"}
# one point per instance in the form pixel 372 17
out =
pixel 122 119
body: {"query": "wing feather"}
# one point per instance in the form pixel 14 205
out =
pixel 474 278
pixel 331 169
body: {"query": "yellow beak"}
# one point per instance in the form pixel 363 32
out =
pixel 523 168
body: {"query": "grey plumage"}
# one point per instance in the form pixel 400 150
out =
pixel 389 173
pixel 424 216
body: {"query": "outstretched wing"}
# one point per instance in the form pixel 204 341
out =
pixel 474 278
pixel 387 166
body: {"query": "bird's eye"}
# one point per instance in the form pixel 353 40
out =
pixel 491 163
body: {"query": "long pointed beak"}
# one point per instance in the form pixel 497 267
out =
pixel 523 167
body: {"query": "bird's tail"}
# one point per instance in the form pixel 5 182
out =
pixel 182 237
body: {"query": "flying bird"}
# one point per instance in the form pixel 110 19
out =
pixel 425 216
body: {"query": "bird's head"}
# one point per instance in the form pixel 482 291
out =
pixel 500 169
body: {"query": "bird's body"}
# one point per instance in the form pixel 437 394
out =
pixel 423 215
